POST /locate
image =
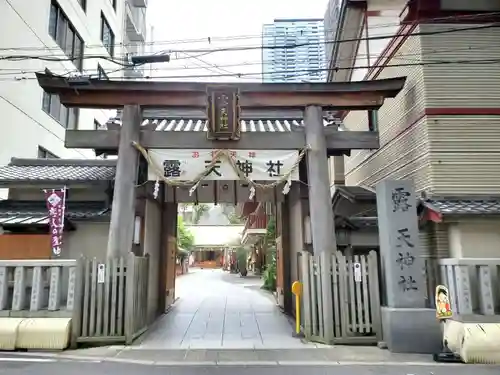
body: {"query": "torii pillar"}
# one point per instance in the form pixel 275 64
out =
pixel 320 208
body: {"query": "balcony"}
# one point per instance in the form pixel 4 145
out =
pixel 139 3
pixel 135 23
pixel 255 228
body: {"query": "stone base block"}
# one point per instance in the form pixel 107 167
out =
pixel 411 330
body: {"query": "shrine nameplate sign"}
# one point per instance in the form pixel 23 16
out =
pixel 223 113
pixel 186 165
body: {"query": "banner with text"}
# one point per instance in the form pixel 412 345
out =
pixel 257 165
pixel 56 202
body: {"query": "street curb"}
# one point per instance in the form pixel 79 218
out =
pixel 112 359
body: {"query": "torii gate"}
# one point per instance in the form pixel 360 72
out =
pixel 224 133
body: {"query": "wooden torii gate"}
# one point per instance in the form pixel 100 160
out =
pixel 223 116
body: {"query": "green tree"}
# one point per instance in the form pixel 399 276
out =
pixel 185 238
pixel 198 211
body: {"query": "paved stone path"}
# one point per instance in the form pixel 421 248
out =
pixel 218 310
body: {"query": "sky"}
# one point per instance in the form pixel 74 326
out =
pixel 180 25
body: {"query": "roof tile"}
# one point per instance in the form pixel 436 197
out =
pixel 57 173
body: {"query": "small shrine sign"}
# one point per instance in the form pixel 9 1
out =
pixel 259 165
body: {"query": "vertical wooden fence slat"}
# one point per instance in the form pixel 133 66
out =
pixel 100 305
pixel 121 298
pixel 78 310
pixel 107 297
pixel 336 296
pixel 344 306
pixel 375 294
pixel 93 295
pixel 319 294
pixel 366 301
pixel 129 299
pixel 114 297
pixel 352 295
pixel 307 301
pixel 314 296
pixel 359 296
pixel 86 298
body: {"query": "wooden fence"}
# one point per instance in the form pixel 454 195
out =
pixel 111 300
pixel 354 293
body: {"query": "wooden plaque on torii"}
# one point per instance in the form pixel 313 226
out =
pixel 223 113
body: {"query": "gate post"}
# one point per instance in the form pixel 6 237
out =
pixel 321 213
pixel 123 207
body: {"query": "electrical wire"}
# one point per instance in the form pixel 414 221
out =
pixel 92 72
pixel 210 39
pixel 301 72
pixel 245 48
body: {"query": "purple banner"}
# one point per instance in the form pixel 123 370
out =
pixel 56 202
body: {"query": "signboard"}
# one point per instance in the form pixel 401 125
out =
pixel 56 202
pixel 357 272
pixel 223 113
pixel 101 273
pixel 186 165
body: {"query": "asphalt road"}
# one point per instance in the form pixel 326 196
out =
pixel 45 366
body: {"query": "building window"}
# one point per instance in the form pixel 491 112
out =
pixel 65 35
pixel 43 153
pixel 67 117
pixel 107 36
pixel 101 73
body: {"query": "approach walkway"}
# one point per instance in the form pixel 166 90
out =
pixel 218 310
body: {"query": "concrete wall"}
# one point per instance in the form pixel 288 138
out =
pixel 90 240
pixel 474 238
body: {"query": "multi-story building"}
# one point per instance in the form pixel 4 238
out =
pixel 70 37
pixel 303 63
pixel 443 130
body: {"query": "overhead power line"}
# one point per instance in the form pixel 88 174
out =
pixel 229 38
pixel 301 72
pixel 246 48
pixel 210 65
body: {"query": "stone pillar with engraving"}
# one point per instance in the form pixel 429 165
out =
pixel 408 326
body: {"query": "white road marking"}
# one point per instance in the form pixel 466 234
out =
pixel 26 359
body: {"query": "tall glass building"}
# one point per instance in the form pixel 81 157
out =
pixel 304 63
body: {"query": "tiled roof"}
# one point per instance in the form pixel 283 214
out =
pixel 38 170
pixel 195 120
pixel 477 205
pixel 35 212
pixel 474 206
pixel 197 125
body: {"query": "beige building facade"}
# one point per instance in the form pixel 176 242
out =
pixel 443 129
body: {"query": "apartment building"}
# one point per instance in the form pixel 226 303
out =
pixel 66 37
pixel 443 130
pixel 304 63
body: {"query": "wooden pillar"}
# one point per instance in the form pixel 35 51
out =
pixel 320 209
pixel 121 227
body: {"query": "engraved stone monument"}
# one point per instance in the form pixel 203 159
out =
pixel 408 326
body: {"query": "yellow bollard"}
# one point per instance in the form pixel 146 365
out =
pixel 297 291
